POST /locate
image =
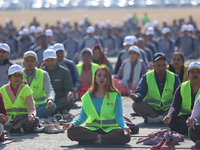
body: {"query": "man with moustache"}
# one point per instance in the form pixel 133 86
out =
pixel 39 82
pixel 154 93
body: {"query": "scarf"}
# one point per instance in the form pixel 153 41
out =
pixel 127 72
pixel 103 59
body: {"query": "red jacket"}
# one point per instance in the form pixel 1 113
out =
pixel 3 109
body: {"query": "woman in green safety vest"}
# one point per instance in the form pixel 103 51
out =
pixel 19 102
pixel 102 108
pixel 184 100
pixel 100 58
pixel 86 71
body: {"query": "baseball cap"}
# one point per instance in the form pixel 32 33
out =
pixel 96 22
pixel 30 53
pixel 193 65
pixel 39 29
pixel 128 40
pixel 108 22
pixel 116 24
pixel 87 49
pixel 7 20
pixel 134 48
pixel 86 16
pixel 150 31
pixel 165 30
pixel 190 27
pixel 32 29
pixel 157 56
pixel 155 23
pixel 58 46
pixel 23 24
pixel 147 24
pixel 48 32
pixel 90 29
pixel 14 69
pixel 102 24
pixel 184 27
pixel 81 23
pixel 49 53
pixel 5 47
pixel 25 31
pixel 134 39
pixel 164 21
pixel 63 21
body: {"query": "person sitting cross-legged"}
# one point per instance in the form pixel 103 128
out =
pixel 61 82
pixel 40 84
pixel 102 108
pixel 155 90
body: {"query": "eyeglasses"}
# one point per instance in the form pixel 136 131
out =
pixel 130 53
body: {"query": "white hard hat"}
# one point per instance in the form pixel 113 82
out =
pixel 15 69
pixel 49 53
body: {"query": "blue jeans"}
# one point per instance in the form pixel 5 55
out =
pixel 42 112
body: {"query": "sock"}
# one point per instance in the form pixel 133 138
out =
pixel 153 120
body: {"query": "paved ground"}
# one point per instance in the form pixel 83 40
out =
pixel 42 141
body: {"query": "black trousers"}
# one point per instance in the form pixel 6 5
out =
pixel 114 137
pixel 194 134
pixel 178 124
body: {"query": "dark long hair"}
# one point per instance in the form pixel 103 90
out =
pixel 109 86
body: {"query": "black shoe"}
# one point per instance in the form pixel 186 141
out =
pixel 57 117
pixel 134 114
pixel 86 143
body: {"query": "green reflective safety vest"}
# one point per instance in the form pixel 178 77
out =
pixel 153 97
pixel 186 98
pixel 106 121
pixel 19 107
pixel 93 67
pixel 38 89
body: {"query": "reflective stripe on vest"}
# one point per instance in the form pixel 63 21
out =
pixel 106 121
pixel 153 97
pixel 19 107
pixel 186 95
pixel 93 67
pixel 38 89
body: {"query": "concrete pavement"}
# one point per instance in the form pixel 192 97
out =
pixel 42 141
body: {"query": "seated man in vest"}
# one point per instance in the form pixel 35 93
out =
pixel 61 82
pixel 154 93
pixel 184 100
pixel 39 82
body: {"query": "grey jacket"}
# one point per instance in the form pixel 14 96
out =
pixel 61 81
pixel 4 72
